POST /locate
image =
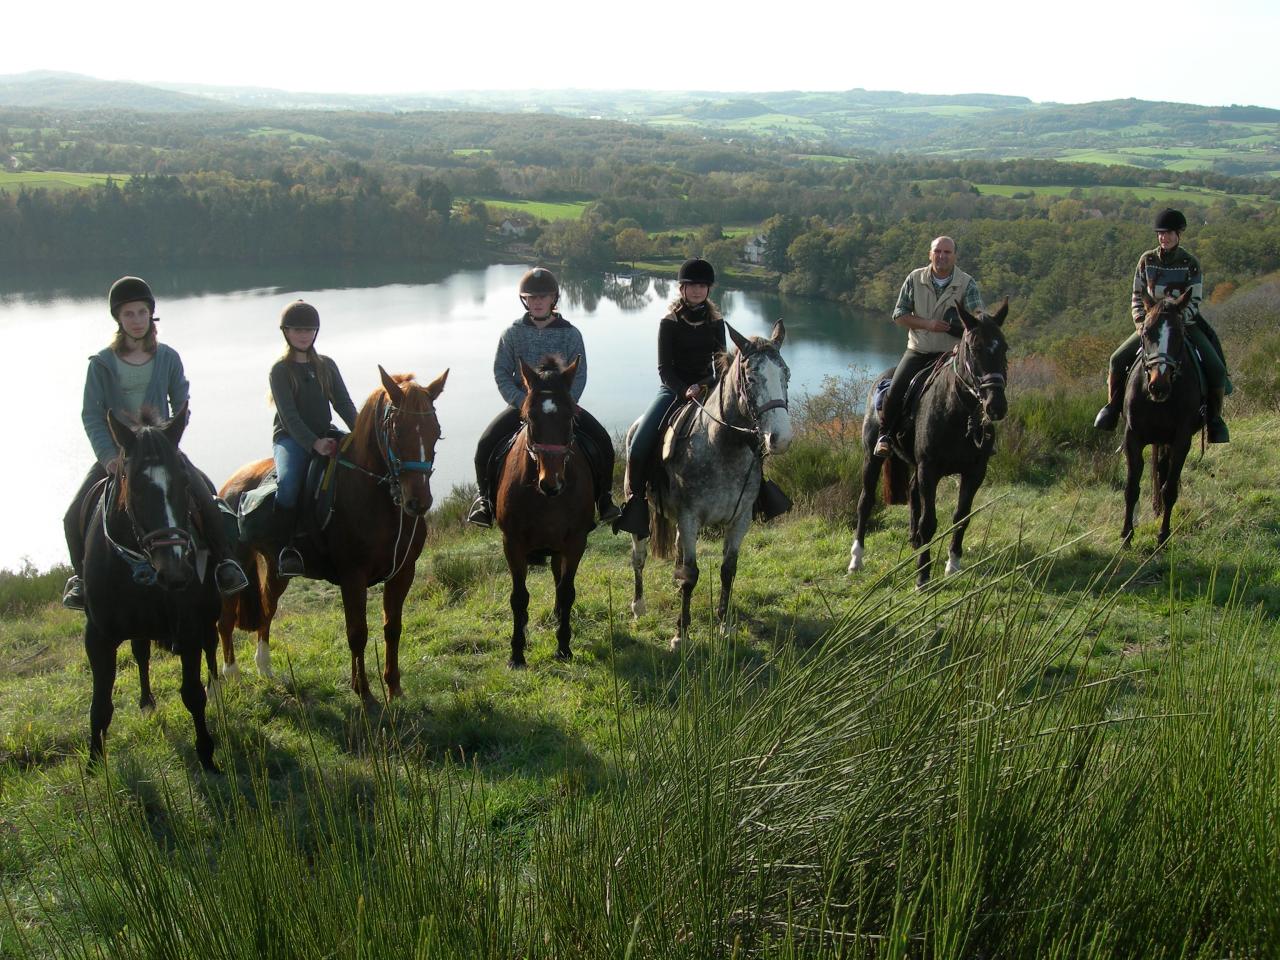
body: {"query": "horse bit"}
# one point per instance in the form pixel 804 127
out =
pixel 979 423
pixel 140 562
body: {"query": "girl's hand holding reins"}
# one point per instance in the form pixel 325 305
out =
pixel 694 392
pixel 325 446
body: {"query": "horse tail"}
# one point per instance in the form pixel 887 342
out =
pixel 662 533
pixel 1159 467
pixel 896 480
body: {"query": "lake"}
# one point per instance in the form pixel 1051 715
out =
pixel 225 326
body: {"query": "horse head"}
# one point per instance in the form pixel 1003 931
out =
pixel 982 359
pixel 1163 340
pixel 762 386
pixel 548 413
pixel 153 493
pixel 408 434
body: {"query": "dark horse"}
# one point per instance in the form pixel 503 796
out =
pixel 1163 407
pixel 141 579
pixel 712 472
pixel 375 535
pixel 545 503
pixel 953 433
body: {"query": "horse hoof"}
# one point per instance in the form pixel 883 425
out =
pixel 638 608
pixel 564 656
pixel 953 565
pixel 263 659
pixel 394 691
pixel 855 559
pixel 147 709
pixel 515 664
pixel 231 671
pixel 674 643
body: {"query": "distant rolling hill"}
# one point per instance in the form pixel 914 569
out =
pixel 71 91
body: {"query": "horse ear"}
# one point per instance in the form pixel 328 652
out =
pixel 779 333
pixel 529 376
pixel 966 318
pixel 436 386
pixel 121 432
pixel 1183 300
pixel 571 371
pixel 177 424
pixel 739 341
pixel 1001 312
pixel 392 388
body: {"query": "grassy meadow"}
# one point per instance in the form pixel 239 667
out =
pixel 11 180
pixel 1067 750
pixel 543 210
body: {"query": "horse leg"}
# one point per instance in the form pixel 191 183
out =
pixel 101 651
pixel 142 657
pixel 1175 457
pixel 870 480
pixel 226 639
pixel 1133 459
pixel 393 597
pixel 686 573
pixel 926 492
pixel 729 566
pixel 970 481
pixel 193 695
pixel 355 594
pixel 913 506
pixel 273 589
pixel 639 554
pixel 518 564
pixel 566 593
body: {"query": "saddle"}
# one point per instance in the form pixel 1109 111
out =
pixel 499 458
pixel 915 391
pixel 255 519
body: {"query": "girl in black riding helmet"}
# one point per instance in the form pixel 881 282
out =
pixel 689 337
pixel 134 373
pixel 304 385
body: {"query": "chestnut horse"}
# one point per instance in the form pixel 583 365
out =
pixel 954 432
pixel 545 503
pixel 1163 407
pixel 142 578
pixel 376 533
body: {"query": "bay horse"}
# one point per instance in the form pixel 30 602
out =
pixel 1163 407
pixel 545 503
pixel 714 468
pixel 953 433
pixel 141 579
pixel 376 533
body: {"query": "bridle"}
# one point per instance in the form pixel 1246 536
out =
pixel 385 435
pixel 535 449
pixel 139 560
pixel 746 401
pixel 1150 361
pixel 974 383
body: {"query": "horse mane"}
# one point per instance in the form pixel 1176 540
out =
pixel 722 360
pixel 415 401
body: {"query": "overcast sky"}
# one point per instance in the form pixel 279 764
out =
pixel 1202 52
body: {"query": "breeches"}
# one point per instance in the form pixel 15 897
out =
pixel 646 435
pixel 912 362
pixel 291 470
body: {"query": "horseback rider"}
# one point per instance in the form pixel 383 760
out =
pixel 304 385
pixel 927 309
pixel 540 332
pixel 133 374
pixel 689 337
pixel 1166 270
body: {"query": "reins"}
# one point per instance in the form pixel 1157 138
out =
pixel 142 568
pixel 973 385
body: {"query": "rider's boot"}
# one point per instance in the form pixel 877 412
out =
pixel 607 509
pixel 1109 415
pixel 634 518
pixel 289 562
pixel 1217 429
pixel 770 502
pixel 73 593
pixel 482 510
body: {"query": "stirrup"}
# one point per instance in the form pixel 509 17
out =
pixel 481 512
pixel 608 510
pixel 289 563
pixel 882 447
pixel 633 518
pixel 230 578
pixel 73 593
pixel 1107 418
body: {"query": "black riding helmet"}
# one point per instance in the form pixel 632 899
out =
pixel 1170 219
pixel 538 282
pixel 300 314
pixel 696 270
pixel 127 290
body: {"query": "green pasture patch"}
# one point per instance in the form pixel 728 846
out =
pixel 56 179
pixel 543 210
pixel 1155 193
pixel 824 158
pixel 471 151
pixel 940 110
pixel 294 136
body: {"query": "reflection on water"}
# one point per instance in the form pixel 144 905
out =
pixel 224 323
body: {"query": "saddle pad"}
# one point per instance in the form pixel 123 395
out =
pixel 879 392
pixel 256 512
pixel 678 423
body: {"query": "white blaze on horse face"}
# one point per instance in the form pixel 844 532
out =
pixel 548 406
pixel 1165 333
pixel 159 477
pixel 775 424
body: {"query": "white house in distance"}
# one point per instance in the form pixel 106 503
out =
pixel 514 227
pixel 753 249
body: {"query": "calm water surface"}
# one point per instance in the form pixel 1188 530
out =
pixel 226 329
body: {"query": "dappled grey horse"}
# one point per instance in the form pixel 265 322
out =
pixel 712 466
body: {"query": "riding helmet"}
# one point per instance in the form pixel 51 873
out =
pixel 539 281
pixel 1170 219
pixel 696 270
pixel 300 314
pixel 128 289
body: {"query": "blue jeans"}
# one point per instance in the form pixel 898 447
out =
pixel 291 470
pixel 646 436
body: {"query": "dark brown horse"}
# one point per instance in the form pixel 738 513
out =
pixel 143 580
pixel 545 503
pixel 376 533
pixel 1163 407
pixel 953 433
